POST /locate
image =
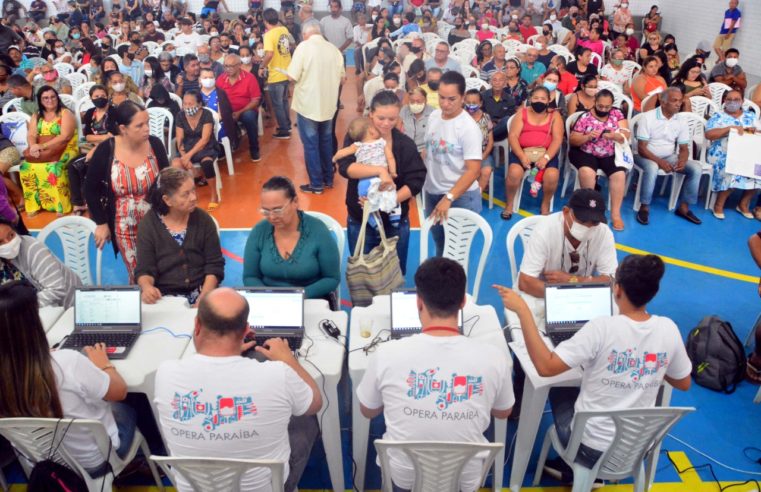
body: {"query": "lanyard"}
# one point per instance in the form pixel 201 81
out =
pixel 441 328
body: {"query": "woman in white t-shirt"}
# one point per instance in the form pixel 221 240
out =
pixel 59 383
pixel 624 359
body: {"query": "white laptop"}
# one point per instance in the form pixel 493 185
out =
pixel 276 312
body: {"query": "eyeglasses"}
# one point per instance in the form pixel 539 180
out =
pixel 232 66
pixel 575 259
pixel 273 212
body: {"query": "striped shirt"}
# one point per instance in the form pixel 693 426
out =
pixel 54 282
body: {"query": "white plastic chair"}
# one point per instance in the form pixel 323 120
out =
pixel 76 79
pixel 645 101
pixel 74 233
pixel 224 142
pixel 749 105
pixel 83 105
pixel 14 104
pixel 158 120
pixel 15 126
pixel 460 229
pixel 532 39
pixel 569 169
pixel 611 86
pixel 64 69
pixel 340 237
pixel 639 431
pixel 596 60
pixel 478 84
pixel 702 106
pixel 82 91
pixel 717 92
pixel 153 48
pixel 522 229
pixel 511 45
pixel 465 44
pixel 519 192
pixel 437 464
pixel 619 98
pixel 469 71
pixel 174 97
pixel 218 474
pixel 68 101
pixel 33 438
pixel 85 70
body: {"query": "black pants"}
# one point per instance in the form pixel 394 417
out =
pixel 562 401
pixel 302 432
pixel 77 171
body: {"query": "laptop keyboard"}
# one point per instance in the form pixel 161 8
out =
pixel 560 336
pixel 113 341
pixel 293 342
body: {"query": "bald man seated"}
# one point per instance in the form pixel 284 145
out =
pixel 217 403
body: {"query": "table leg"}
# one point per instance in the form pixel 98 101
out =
pixel 500 435
pixel 663 400
pixel 532 408
pixel 331 434
pixel 360 433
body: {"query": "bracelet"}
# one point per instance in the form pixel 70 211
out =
pixel 107 367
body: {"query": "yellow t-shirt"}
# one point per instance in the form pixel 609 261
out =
pixel 277 40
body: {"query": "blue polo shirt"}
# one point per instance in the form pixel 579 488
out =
pixel 530 74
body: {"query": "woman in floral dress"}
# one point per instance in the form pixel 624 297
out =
pixel 46 184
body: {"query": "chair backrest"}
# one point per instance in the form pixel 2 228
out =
pixel 750 91
pixel 437 464
pixel 522 229
pixel 596 60
pixel 334 227
pixel 15 127
pixel 702 106
pixel 153 47
pixel 35 437
pixel 219 474
pixel 85 70
pixel 478 84
pixel 619 98
pixel 82 106
pixel 174 97
pixel 532 39
pixel 13 104
pixel 697 126
pixel 68 101
pixel 469 71
pixel 717 91
pixel 460 229
pixel 74 233
pixel 465 56
pixel 611 86
pixel 466 44
pixel 631 68
pixel 749 105
pixel 158 120
pixel 638 431
pixel 83 91
pixel 76 79
pixel 511 45
pixel 633 122
pixel 646 100
pixel 64 68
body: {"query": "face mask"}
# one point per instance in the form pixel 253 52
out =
pixel 38 77
pixel 260 53
pixel 10 250
pixel 214 33
pixel 545 33
pixel 539 46
pixel 251 42
pixel 434 85
pixel 484 27
pixel 417 108
pixel 207 83
pixel 374 17
pixel 590 91
pixel 75 35
pixel 629 31
pixel 245 60
pixel 415 49
pixel 397 21
pixel 204 58
pixel 51 76
pixel 60 50
pixel 173 53
pixel 731 62
pixel 118 87
pixel 624 5
pixel 553 17
pixel 539 107
pixel 472 108
pixel 100 102
pixel 617 63
pixel 550 86
pixel 515 17
pixel 732 106
pixel 579 232
pixel 472 29
pixel 148 73
pixel 192 111
pixel 602 114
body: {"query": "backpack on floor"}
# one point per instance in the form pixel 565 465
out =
pixel 717 355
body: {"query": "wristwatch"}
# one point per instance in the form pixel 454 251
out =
pixel 449 196
pixel 547 156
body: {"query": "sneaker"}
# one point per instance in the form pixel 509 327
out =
pixel 308 189
pixel 281 135
pixel 643 216
pixel 328 186
pixel 559 470
pixel 256 157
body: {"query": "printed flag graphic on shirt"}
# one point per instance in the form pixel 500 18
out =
pixel 638 366
pixel 451 390
pixel 226 409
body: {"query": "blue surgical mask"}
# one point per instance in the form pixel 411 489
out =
pixel 550 86
pixel 75 35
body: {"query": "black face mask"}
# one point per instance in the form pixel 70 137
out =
pixel 415 49
pixel 130 56
pixel 539 107
pixel 100 102
pixel 434 85
pixel 602 114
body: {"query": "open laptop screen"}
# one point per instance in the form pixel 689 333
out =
pixel 404 313
pixel 577 303
pixel 107 307
pixel 274 308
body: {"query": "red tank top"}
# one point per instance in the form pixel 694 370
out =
pixel 535 135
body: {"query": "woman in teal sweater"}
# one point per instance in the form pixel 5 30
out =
pixel 290 248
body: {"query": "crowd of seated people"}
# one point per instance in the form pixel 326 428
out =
pixel 445 88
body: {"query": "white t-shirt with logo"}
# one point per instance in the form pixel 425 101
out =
pixel 187 43
pixel 549 249
pixel 623 363
pixel 229 407
pixel 81 388
pixel 437 389
pixel 449 143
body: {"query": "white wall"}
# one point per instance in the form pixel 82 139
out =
pixel 691 21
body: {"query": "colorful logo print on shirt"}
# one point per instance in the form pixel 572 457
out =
pixel 226 410
pixel 454 389
pixel 637 366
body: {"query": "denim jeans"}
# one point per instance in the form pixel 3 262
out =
pixel 372 238
pixel 250 121
pixel 470 200
pixel 689 193
pixel 126 423
pixel 317 137
pixel 279 98
pixel 302 432
pixel 562 401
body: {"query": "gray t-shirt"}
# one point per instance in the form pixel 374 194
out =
pixel 721 69
pixel 451 65
pixel 337 31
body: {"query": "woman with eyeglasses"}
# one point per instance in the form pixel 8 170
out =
pixel 290 248
pixel 178 251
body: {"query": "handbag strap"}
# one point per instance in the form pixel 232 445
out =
pixel 359 248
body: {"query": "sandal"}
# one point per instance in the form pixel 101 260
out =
pixel 506 215
pixel 752 374
pixel 212 206
pixel 618 225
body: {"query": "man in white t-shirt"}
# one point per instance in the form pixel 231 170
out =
pixel 437 385
pixel 187 41
pixel 624 358
pixel 217 403
pixel 573 245
pixel 453 157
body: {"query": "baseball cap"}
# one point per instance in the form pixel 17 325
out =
pixel 704 46
pixel 588 205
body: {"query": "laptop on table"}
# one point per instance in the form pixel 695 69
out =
pixel 405 320
pixel 110 315
pixel 276 312
pixel 568 307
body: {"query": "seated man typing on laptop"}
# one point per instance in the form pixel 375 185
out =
pixel 437 385
pixel 624 359
pixel 573 245
pixel 217 403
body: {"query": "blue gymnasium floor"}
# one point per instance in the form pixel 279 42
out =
pixel 713 274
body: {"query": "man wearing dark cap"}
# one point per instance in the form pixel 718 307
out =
pixel 573 245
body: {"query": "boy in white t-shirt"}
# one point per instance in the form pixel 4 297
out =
pixel 217 403
pixel 437 385
pixel 624 358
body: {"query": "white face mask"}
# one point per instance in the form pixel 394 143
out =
pixel 11 249
pixel 118 87
pixel 484 27
pixel 515 17
pixel 731 62
pixel 624 5
pixel 260 53
pixel 629 31
pixel 539 46
pixel 553 17
pixel 397 21
pixel 148 73
pixel 417 108
pixel 60 50
pixel 580 232
pixel 207 83
pixel 245 60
